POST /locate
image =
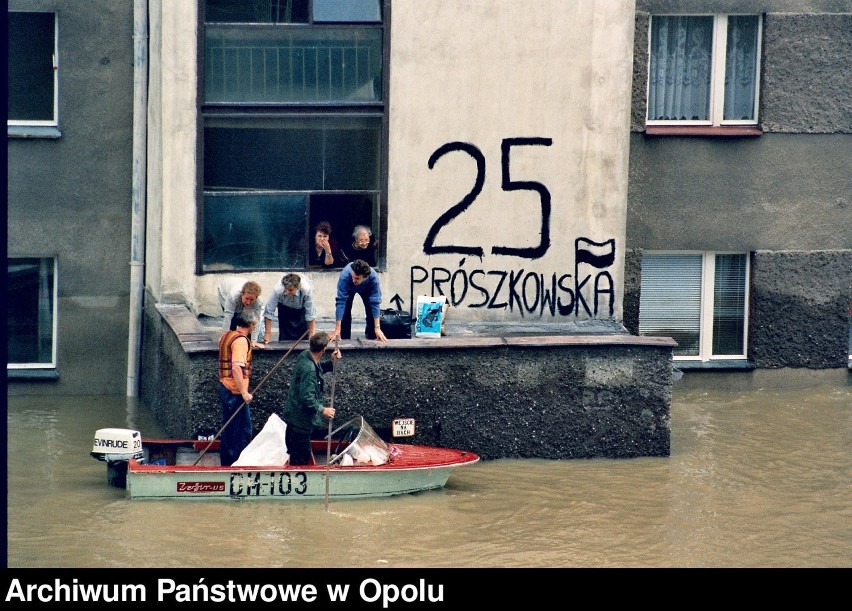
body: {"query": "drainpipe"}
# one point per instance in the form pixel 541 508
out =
pixel 137 238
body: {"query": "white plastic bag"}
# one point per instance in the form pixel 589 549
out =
pixel 268 448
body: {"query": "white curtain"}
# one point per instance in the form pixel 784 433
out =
pixel 741 67
pixel 681 63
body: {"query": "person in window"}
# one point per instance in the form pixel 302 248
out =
pixel 363 245
pixel 295 308
pixel 236 296
pixel 325 253
pixel 358 278
pixel 234 374
pixel 304 407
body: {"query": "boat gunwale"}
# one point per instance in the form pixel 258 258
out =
pixel 449 458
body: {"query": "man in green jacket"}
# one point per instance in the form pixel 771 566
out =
pixel 304 408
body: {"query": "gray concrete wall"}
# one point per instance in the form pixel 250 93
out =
pixel 798 308
pixel 779 196
pixel 775 192
pixel 799 311
pixel 807 50
pixel 788 189
pixel 70 197
pixel 539 397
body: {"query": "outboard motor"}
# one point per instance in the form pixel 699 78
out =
pixel 116 447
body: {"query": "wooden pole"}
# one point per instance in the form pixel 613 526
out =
pixel 328 444
pixel 256 388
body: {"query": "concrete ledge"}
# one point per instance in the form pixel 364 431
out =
pixel 720 365
pixel 552 394
pixel 31 375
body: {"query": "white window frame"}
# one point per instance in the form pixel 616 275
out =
pixel 55 315
pixel 717 74
pixel 705 327
pixel 55 121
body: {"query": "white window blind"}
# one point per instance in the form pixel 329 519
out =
pixel 698 299
pixel 670 303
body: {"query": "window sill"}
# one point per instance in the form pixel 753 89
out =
pixel 34 131
pixel 721 365
pixel 29 375
pixel 702 130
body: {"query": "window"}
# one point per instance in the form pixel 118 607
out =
pixel 699 300
pixel 31 313
pixel 293 133
pixel 33 69
pixel 704 70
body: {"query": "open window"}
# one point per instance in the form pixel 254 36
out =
pixel 293 111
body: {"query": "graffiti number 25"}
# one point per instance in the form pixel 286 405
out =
pixel 507 184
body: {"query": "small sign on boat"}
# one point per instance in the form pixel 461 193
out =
pixel 403 427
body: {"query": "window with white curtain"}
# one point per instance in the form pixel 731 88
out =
pixel 699 299
pixel 33 69
pixel 31 313
pixel 704 70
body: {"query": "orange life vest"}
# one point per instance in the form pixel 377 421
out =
pixel 225 349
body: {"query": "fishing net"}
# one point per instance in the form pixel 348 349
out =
pixel 356 443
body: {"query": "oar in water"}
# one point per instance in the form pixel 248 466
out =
pixel 256 388
pixel 328 444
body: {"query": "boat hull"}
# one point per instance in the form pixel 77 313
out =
pixel 411 469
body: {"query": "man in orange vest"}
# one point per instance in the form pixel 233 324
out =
pixel 234 373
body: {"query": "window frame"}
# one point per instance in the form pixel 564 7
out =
pixel 52 365
pixel 715 122
pixel 705 325
pixel 15 125
pixel 298 110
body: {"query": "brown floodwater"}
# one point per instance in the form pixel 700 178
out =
pixel 756 478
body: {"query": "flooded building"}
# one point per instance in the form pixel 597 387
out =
pixel 601 192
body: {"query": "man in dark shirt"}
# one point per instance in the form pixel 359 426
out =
pixel 304 409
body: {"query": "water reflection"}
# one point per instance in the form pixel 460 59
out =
pixel 756 479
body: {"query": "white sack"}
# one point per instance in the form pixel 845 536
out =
pixel 268 448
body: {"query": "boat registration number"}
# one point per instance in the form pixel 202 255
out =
pixel 269 483
pixel 403 427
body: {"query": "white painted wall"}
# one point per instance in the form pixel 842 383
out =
pixel 481 71
pixel 475 72
pixel 170 272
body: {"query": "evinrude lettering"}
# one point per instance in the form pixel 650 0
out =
pixel 111 443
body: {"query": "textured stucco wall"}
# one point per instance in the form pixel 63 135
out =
pixel 632 289
pixel 70 197
pixel 528 398
pixel 805 80
pixel 805 61
pixel 776 192
pixel 799 310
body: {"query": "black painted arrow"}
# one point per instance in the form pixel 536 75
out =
pixel 397 300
